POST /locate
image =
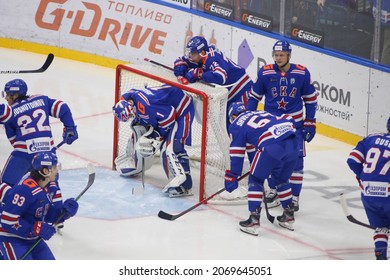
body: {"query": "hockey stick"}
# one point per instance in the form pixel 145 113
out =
pixel 184 80
pixel 91 180
pixel 44 67
pixel 181 79
pixel 60 144
pixel 349 215
pixel 140 191
pixel 170 217
pixel 269 216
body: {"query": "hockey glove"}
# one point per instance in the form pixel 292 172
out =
pixel 148 146
pixel 44 230
pixel 70 134
pixel 194 75
pixel 124 111
pixel 70 208
pixel 309 129
pixel 231 182
pixel 180 68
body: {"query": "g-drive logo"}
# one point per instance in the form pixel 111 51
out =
pixel 88 19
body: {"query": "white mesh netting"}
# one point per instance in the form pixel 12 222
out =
pixel 216 141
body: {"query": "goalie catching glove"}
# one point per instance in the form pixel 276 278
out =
pixel 149 146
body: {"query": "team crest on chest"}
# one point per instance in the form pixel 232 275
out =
pixel 282 104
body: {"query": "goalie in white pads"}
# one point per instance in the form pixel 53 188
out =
pixel 169 112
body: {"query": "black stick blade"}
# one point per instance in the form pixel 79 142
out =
pixel 166 216
pixel 44 67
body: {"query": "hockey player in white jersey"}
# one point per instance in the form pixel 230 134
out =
pixel 169 112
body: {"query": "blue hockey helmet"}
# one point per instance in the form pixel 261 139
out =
pixel 16 86
pixel 281 46
pixel 44 160
pixel 388 124
pixel 235 109
pixel 197 44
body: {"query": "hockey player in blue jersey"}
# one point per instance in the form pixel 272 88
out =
pixel 207 63
pixel 29 129
pixel 5 113
pixel 31 208
pixel 169 112
pixel 287 89
pixel 370 161
pixel 277 152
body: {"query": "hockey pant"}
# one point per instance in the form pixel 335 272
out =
pixel 278 159
pixel 296 178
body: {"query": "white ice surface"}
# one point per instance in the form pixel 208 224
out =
pixel 113 224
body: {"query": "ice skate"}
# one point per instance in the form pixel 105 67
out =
pixel 379 256
pixel 251 225
pixel 179 191
pixel 295 201
pixel 271 198
pixel 287 219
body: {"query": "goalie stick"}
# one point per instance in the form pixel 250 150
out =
pixel 44 67
pixel 349 215
pixel 137 190
pixel 170 217
pixel 91 180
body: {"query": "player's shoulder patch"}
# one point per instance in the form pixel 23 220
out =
pixel 268 67
pixel 29 182
pixel 300 67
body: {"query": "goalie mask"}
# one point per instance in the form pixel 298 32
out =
pixel 124 110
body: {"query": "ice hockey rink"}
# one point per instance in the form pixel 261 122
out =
pixel 114 224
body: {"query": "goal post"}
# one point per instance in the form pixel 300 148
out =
pixel 210 141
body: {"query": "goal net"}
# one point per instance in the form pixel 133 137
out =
pixel 210 141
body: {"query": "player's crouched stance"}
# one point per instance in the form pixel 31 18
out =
pixel 277 153
pixel 166 114
pixel 30 211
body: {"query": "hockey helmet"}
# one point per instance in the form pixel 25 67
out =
pixel 15 86
pixel 281 46
pixel 235 109
pixel 197 44
pixel 124 110
pixel 44 160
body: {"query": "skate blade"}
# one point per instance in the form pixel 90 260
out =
pixel 250 230
pixel 171 195
pixel 273 205
pixel 286 226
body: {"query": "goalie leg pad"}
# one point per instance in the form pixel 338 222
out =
pixel 174 168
